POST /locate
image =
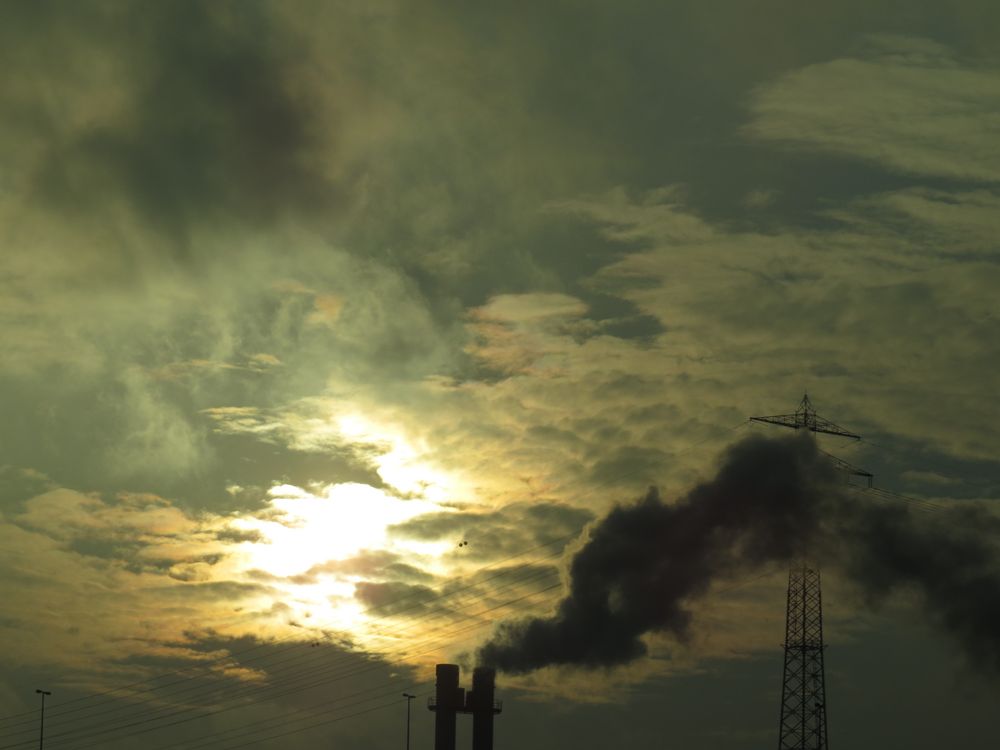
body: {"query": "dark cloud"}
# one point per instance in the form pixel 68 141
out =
pixel 772 501
pixel 237 536
pixel 18 484
pixel 500 584
pixel 643 463
pixel 371 564
pixel 99 439
pixel 952 562
pixel 250 688
pixel 657 89
pixel 212 591
pixel 186 186
pixel 395 597
pixel 254 464
pixel 206 124
pixel 644 562
pixel 513 528
pixel 130 551
pixel 940 472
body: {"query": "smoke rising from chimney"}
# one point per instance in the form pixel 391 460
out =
pixel 772 501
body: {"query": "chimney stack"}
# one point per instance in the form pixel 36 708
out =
pixel 450 700
pixel 481 702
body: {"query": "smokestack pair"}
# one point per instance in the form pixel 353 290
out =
pixel 451 700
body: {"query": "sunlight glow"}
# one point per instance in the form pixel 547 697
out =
pixel 299 541
pixel 334 523
pixel 399 461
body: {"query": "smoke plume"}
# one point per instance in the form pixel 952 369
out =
pixel 772 501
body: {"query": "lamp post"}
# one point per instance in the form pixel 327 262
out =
pixel 41 725
pixel 408 699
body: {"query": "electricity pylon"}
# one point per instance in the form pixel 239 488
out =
pixel 805 417
pixel 803 725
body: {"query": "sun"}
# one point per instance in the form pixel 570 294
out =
pixel 305 528
pixel 297 542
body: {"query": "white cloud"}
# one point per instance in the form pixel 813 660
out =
pixel 883 319
pixel 907 104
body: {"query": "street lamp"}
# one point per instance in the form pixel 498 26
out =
pixel 408 699
pixel 41 725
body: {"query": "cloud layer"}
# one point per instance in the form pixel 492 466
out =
pixel 492 269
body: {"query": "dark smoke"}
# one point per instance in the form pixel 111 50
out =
pixel 772 501
pixel 950 558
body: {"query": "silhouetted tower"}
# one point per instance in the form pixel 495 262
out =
pixel 803 723
pixel 803 687
pixel 484 706
pixel 450 700
pixel 447 701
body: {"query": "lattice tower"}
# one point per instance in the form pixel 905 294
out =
pixel 803 724
pixel 803 690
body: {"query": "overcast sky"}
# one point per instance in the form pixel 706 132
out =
pixel 328 331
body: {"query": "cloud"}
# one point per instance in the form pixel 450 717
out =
pixel 225 228
pixel 908 104
pixel 948 224
pixel 771 501
pixel 200 120
pixel 105 560
pixel 65 513
pixel 395 597
pixel 173 184
pixel 105 557
pixel 820 308
pixel 643 564
pixel 497 534
pixel 239 535
pixel 371 565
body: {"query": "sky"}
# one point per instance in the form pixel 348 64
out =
pixel 330 332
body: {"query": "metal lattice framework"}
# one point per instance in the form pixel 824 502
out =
pixel 803 688
pixel 805 417
pixel 803 691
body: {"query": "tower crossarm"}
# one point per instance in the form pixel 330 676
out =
pixel 806 418
pixel 850 469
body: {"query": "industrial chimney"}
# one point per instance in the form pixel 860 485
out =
pixel 483 707
pixel 450 700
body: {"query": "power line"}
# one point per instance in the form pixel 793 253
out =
pixel 297 689
pixel 167 712
pixel 205 669
pixel 210 741
pixel 906 500
pixel 448 638
pixel 417 603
